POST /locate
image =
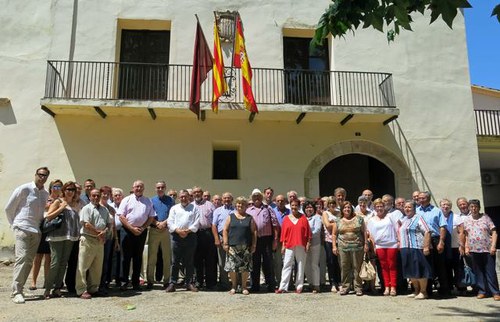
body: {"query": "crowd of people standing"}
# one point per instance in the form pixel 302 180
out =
pixel 199 242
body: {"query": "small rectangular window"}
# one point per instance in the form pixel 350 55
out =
pixel 225 164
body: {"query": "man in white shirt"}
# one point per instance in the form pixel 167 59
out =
pixel 183 222
pixel 24 212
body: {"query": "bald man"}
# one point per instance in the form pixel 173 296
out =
pixel 136 213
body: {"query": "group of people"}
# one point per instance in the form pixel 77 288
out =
pixel 213 244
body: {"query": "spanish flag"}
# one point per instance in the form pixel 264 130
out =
pixel 241 61
pixel 218 81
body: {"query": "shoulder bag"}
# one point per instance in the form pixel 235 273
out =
pixel 367 271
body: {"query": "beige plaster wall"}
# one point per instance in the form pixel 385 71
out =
pixel 483 100
pixel 431 84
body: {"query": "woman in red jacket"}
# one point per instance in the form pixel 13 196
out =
pixel 296 239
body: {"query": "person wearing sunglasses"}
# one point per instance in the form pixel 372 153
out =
pixel 24 212
pixel 43 252
pixel 62 240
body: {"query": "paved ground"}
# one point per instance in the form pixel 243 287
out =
pixel 156 305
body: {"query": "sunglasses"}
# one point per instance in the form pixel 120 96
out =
pixel 56 187
pixel 71 189
pixel 42 175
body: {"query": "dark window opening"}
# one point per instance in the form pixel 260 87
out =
pixel 307 76
pixel 225 164
pixel 144 58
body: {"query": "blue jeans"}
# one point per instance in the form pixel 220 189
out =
pixel 483 265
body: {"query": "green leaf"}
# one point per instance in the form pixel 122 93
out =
pixel 461 3
pixel 378 22
pixel 403 18
pixel 496 12
pixel 448 12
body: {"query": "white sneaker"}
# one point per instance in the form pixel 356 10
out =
pixel 420 296
pixel 18 298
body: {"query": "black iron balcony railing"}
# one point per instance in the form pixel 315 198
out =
pixel 487 122
pixel 161 82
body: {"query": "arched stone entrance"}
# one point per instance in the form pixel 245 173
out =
pixel 356 172
pixel 402 176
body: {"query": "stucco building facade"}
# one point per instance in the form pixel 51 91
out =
pixel 392 117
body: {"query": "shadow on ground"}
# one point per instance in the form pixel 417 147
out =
pixel 491 315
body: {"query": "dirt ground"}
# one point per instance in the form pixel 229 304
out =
pixel 156 305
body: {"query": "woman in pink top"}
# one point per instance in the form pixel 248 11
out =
pixel 382 233
pixel 296 239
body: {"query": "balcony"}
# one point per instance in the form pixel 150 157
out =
pixel 487 122
pixel 81 87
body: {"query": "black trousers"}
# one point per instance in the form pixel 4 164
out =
pixel 183 250
pixel 205 259
pixel 107 263
pixel 70 278
pixel 402 283
pixel 263 256
pixel 132 249
pixel 332 264
pixel 439 268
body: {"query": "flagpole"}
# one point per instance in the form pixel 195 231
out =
pixel 198 21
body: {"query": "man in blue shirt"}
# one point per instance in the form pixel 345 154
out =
pixel 218 221
pixel 268 197
pixel 85 196
pixel 437 257
pixel 159 236
pixel 281 212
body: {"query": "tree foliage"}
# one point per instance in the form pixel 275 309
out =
pixel 344 15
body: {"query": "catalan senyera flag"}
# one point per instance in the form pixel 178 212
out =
pixel 241 61
pixel 202 64
pixel 219 84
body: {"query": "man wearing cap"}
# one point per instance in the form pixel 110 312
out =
pixel 267 241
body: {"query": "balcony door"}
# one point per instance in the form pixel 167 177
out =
pixel 307 77
pixel 144 57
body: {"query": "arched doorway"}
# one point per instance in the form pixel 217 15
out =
pixel 356 172
pixel 403 179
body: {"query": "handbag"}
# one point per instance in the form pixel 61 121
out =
pixel 469 278
pixel 367 271
pixel 50 225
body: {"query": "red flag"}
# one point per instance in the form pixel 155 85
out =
pixel 241 61
pixel 202 64
pixel 218 80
